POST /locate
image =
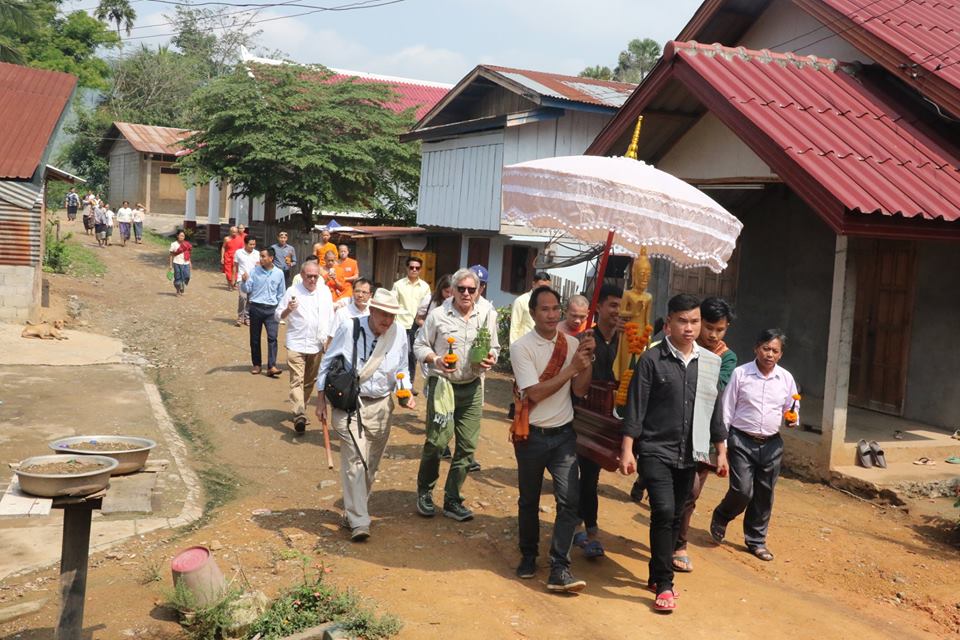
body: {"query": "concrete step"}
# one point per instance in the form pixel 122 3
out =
pixel 917 443
pixel 900 480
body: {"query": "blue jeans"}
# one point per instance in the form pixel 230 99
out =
pixel 261 316
pixel 555 452
pixel 137 230
pixel 181 276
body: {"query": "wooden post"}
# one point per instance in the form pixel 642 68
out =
pixel 74 553
pixel 839 349
pixel 598 282
pixel 148 197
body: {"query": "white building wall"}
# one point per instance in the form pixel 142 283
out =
pixel 785 27
pixel 710 150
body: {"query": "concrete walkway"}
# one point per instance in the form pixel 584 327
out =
pixel 53 389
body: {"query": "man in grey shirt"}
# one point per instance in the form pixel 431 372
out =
pixel 285 258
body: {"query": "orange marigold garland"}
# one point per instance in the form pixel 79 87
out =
pixel 450 360
pixel 403 395
pixel 637 343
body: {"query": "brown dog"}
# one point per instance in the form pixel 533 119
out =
pixel 44 330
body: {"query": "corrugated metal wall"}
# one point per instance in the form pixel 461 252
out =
pixel 124 174
pixel 19 235
pixel 460 183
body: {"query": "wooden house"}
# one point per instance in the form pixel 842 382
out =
pixel 830 129
pixel 493 117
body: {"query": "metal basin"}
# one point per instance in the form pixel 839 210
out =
pixel 129 460
pixel 51 485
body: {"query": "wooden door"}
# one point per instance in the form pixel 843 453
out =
pixel 886 271
pixel 478 252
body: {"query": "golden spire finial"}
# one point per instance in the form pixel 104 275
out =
pixel 632 149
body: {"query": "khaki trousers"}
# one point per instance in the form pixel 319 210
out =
pixel 372 440
pixel 303 375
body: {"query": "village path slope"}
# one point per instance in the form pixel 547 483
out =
pixel 844 568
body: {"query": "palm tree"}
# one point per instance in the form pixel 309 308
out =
pixel 15 17
pixel 597 73
pixel 118 11
pixel 636 62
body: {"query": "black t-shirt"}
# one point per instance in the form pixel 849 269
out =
pixel 604 356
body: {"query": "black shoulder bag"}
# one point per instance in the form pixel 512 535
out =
pixel 342 387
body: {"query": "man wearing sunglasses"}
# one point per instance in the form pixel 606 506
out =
pixel 411 292
pixel 308 310
pixel 454 389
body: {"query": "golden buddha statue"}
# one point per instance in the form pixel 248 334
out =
pixel 634 307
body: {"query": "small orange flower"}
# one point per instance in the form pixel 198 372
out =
pixel 451 340
pixel 796 396
pixel 400 376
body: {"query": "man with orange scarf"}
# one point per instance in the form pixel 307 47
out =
pixel 548 365
pixel 231 244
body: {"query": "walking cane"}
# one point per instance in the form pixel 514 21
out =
pixel 326 440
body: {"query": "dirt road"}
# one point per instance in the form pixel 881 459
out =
pixel 844 568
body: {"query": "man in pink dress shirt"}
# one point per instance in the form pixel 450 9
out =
pixel 754 403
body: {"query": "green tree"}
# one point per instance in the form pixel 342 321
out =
pixel 152 85
pixel 597 73
pixel 81 154
pixel 213 37
pixel 57 42
pixel 291 134
pixel 15 17
pixel 637 60
pixel 118 11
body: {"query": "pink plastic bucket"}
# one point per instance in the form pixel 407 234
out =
pixel 196 569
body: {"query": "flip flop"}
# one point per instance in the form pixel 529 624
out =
pixel 924 462
pixel 763 553
pixel 652 588
pixel 878 457
pixel 669 598
pixel 682 564
pixel 953 460
pixel 717 531
pixel 863 454
pixel 898 435
pixel 956 435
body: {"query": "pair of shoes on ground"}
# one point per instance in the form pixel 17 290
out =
pixel 453 510
pixel 560 580
pixel 869 454
pixel 273 372
pixel 718 531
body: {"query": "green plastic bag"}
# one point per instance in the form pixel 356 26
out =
pixel 170 275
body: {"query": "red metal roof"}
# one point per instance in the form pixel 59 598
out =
pixel 606 93
pixel 834 128
pixel 418 94
pixel 916 40
pixel 147 138
pixel 31 103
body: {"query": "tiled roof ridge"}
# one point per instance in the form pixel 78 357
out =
pixel 393 79
pixel 563 76
pixel 765 56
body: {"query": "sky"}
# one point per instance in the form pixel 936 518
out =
pixel 441 40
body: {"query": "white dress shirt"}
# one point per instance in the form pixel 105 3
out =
pixel 246 261
pixel 309 324
pixel 384 379
pixel 345 314
pixel 755 404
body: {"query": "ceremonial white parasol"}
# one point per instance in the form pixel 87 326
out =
pixel 596 199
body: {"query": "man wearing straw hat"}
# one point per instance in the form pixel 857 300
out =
pixel 382 368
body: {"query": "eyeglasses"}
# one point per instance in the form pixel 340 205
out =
pixel 312 276
pixel 413 268
pixel 470 290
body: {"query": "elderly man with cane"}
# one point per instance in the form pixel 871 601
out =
pixel 374 349
pixel 308 310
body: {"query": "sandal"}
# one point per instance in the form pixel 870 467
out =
pixel 717 531
pixel 924 462
pixel 956 435
pixel 763 553
pixel 863 454
pixel 591 548
pixel 953 460
pixel 669 602
pixel 878 457
pixel 682 564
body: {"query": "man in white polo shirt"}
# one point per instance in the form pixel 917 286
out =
pixel 244 262
pixel 308 310
pixel 548 365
